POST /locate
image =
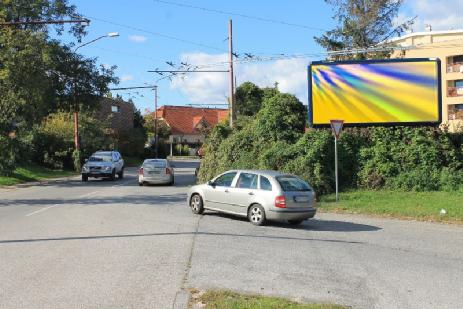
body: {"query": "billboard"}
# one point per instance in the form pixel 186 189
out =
pixel 375 92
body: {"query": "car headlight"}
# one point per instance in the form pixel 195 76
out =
pixel 85 168
pixel 107 168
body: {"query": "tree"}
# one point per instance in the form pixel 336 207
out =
pixel 282 117
pixel 30 10
pixel 248 99
pixel 362 24
pixel 39 76
pixel 162 126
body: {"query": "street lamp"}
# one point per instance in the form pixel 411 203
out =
pixel 108 35
pixel 76 113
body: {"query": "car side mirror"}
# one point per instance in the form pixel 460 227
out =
pixel 211 183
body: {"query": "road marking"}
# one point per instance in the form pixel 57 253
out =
pixel 40 210
pixel 88 194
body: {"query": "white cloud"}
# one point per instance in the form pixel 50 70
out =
pixel 291 75
pixel 138 38
pixel 440 14
pixel 125 78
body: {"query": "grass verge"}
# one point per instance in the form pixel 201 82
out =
pixel 233 300
pixel 424 206
pixel 32 173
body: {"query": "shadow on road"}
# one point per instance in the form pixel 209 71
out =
pixel 110 200
pixel 310 225
pixel 181 180
pixel 16 241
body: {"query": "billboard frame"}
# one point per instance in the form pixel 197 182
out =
pixel 376 124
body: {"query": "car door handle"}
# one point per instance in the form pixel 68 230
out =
pixel 251 193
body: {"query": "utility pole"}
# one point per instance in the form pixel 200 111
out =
pixel 156 122
pixel 232 87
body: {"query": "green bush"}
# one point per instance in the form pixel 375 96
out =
pixel 8 155
pixel 399 158
pixel 53 141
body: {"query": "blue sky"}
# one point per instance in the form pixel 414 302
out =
pixel 143 44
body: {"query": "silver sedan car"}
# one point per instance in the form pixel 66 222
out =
pixel 156 171
pixel 257 195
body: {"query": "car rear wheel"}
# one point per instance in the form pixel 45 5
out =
pixel 196 204
pixel 295 222
pixel 256 214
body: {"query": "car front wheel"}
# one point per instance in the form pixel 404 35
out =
pixel 121 174
pixel 196 204
pixel 113 175
pixel 256 214
pixel 84 178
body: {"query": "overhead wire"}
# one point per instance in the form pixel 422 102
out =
pixel 166 36
pixel 262 19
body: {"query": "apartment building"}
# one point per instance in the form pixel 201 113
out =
pixel 448 47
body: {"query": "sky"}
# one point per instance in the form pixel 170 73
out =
pixel 154 32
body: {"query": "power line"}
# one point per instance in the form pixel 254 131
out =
pixel 43 22
pixel 170 37
pixel 263 19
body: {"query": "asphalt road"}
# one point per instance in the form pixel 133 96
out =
pixel 104 244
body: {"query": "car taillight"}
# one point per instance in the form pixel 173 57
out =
pixel 280 201
pixel 140 171
pixel 168 171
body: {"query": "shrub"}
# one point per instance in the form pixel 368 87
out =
pixel 186 150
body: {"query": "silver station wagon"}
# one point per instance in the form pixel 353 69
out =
pixel 257 195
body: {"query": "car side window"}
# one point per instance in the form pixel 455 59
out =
pixel 247 181
pixel 265 183
pixel 225 180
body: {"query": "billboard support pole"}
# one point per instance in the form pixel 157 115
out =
pixel 336 126
pixel 336 165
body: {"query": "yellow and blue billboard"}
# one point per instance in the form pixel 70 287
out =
pixel 375 92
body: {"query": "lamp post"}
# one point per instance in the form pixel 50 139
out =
pixel 76 113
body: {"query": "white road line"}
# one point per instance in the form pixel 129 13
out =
pixel 88 194
pixel 40 210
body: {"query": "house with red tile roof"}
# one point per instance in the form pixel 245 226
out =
pixel 189 125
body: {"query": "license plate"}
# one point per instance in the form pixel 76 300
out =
pixel 301 199
pixel 155 172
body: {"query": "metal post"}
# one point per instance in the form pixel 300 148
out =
pixel 156 122
pixel 336 165
pixel 232 87
pixel 76 130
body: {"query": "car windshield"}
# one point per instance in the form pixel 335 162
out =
pixel 100 158
pixel 155 164
pixel 291 183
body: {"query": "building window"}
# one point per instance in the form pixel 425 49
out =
pixel 458 59
pixel 455 88
pixel 115 109
pixel 455 112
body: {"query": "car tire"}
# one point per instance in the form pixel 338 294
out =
pixel 172 182
pixel 84 178
pixel 113 175
pixel 256 214
pixel 295 222
pixel 141 184
pixel 121 174
pixel 196 204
